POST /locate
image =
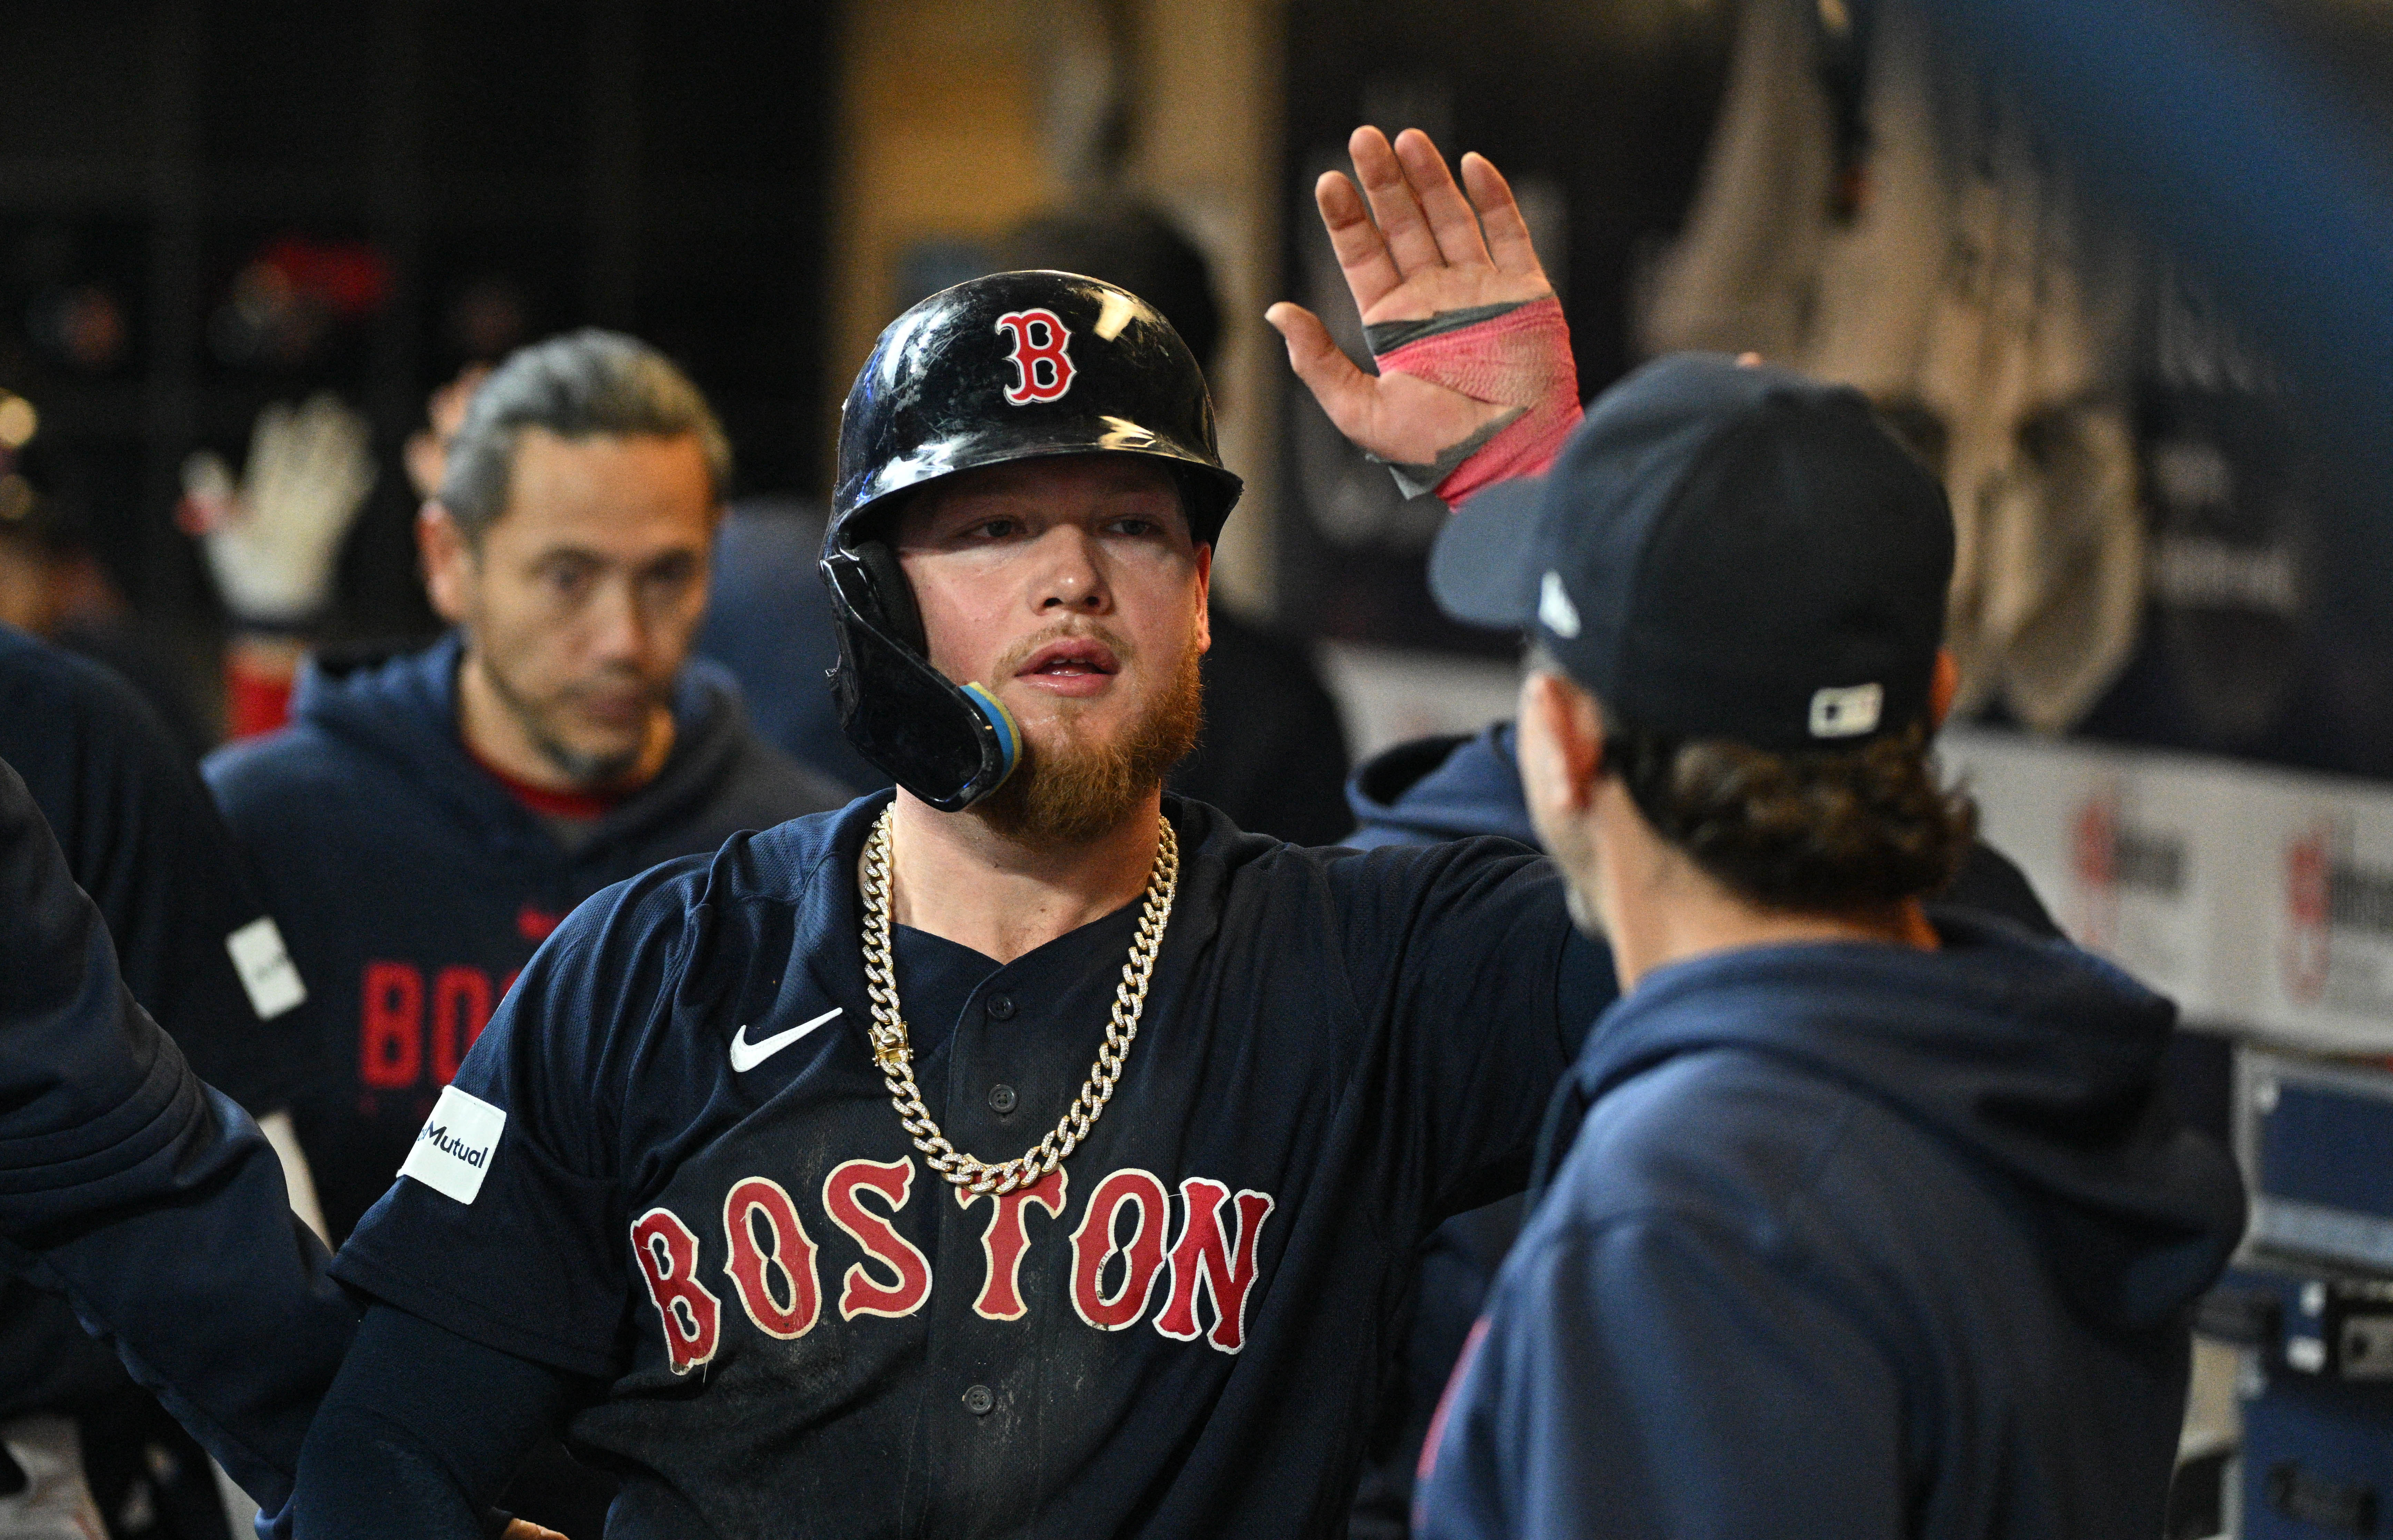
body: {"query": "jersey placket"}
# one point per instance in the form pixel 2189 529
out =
pixel 1020 1047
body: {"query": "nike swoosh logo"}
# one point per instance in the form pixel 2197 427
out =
pixel 746 1055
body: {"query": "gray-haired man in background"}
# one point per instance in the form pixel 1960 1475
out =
pixel 425 821
pixel 429 819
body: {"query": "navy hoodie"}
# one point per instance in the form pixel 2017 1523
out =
pixel 412 886
pixel 1437 789
pixel 1855 1241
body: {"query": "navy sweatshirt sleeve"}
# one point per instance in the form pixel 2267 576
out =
pixel 142 837
pixel 421 1432
pixel 1654 1375
pixel 148 1199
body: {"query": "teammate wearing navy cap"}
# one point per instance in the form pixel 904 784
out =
pixel 1024 1152
pixel 1872 1219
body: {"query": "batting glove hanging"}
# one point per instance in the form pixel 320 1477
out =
pixel 272 540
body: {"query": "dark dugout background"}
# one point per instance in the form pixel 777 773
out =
pixel 209 206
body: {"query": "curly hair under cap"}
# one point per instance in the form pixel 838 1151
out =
pixel 1812 830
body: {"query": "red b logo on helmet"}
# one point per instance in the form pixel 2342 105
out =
pixel 1042 371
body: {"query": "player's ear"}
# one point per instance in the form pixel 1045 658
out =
pixel 1203 598
pixel 1944 686
pixel 1559 743
pixel 449 560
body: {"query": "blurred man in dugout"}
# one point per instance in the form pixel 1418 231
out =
pixel 426 820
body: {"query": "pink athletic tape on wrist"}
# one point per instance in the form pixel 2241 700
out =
pixel 1522 360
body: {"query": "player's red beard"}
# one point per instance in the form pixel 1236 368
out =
pixel 1071 790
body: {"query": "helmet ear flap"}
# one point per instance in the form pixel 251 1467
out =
pixel 1202 502
pixel 949 745
pixel 900 614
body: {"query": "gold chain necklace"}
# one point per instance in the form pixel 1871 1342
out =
pixel 895 1054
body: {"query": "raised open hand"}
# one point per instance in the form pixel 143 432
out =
pixel 1425 256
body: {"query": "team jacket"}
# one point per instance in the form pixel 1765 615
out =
pixel 194 942
pixel 1449 788
pixel 672 1165
pixel 151 1201
pixel 1926 1271
pixel 412 886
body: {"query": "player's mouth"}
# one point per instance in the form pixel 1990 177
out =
pixel 613 707
pixel 620 711
pixel 1075 667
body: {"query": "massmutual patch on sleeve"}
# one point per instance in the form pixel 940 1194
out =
pixel 265 968
pixel 453 1154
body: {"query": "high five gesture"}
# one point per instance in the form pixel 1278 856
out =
pixel 1474 361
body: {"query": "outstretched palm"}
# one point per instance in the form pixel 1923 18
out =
pixel 1425 255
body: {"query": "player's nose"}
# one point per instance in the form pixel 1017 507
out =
pixel 618 629
pixel 1067 574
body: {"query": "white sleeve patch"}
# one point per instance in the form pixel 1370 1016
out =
pixel 453 1152
pixel 265 966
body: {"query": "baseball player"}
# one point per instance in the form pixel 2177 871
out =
pixel 1020 1152
pixel 1439 788
pixel 199 953
pixel 149 1199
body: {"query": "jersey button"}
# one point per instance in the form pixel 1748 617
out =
pixel 999 1007
pixel 1002 1101
pixel 979 1400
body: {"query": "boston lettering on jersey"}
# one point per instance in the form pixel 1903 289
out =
pixel 1120 1257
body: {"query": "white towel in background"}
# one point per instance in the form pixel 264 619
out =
pixel 1973 298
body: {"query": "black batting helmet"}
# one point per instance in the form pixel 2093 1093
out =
pixel 1013 366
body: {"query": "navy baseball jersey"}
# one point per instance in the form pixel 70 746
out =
pixel 672 1165
pixel 412 885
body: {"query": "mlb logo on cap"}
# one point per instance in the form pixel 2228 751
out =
pixel 1849 712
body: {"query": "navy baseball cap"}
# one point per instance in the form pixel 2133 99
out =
pixel 1721 551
